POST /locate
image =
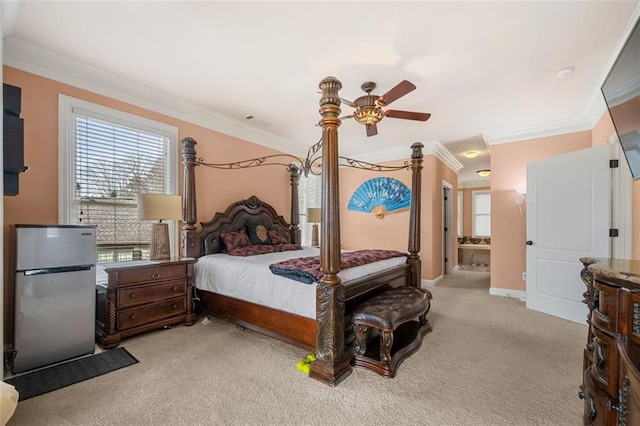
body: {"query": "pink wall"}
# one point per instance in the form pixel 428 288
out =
pixel 508 227
pixel 361 230
pixel 37 201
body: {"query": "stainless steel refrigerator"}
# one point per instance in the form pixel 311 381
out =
pixel 54 293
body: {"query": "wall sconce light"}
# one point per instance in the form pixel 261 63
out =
pixel 160 207
pixel 484 173
pixel 314 216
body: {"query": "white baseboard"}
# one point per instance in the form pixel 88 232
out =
pixel 430 283
pixel 507 292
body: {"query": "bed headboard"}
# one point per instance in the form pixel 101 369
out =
pixel 235 217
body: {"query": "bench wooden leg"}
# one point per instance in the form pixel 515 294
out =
pixel 386 342
pixel 361 343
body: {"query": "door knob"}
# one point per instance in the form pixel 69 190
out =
pixel 529 242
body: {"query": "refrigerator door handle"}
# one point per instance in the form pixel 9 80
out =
pixel 57 270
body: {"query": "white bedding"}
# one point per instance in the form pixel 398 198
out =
pixel 249 278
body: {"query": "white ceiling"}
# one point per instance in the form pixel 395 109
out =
pixel 486 71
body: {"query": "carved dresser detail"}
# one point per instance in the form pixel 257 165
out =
pixel 611 373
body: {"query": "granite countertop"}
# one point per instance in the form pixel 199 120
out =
pixel 620 269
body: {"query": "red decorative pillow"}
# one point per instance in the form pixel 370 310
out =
pixel 277 237
pixel 234 240
pixel 253 250
pixel 289 247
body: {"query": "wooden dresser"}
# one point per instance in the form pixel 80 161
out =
pixel 141 296
pixel 611 376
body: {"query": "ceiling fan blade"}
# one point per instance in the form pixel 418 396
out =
pixel 396 92
pixel 372 130
pixel 407 115
pixel 345 101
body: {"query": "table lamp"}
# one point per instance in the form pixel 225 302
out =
pixel 314 216
pixel 160 207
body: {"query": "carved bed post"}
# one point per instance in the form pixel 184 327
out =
pixel 332 365
pixel 190 245
pixel 294 230
pixel 414 216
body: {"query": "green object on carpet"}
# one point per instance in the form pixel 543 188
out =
pixel 59 376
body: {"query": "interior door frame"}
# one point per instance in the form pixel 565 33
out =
pixel 447 227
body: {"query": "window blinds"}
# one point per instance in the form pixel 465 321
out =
pixel 113 164
pixel 309 190
pixel 482 214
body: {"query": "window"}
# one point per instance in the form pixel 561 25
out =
pixel 106 159
pixel 481 204
pixel 309 190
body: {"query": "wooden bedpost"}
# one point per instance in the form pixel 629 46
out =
pixel 414 216
pixel 294 229
pixel 332 365
pixel 190 244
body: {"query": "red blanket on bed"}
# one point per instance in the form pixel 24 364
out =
pixel 307 269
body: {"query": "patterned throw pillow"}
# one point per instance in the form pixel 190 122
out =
pixel 277 237
pixel 253 250
pixel 258 233
pixel 289 247
pixel 234 240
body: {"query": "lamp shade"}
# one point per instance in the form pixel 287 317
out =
pixel 159 207
pixel 313 215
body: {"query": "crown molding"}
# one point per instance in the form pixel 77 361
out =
pixel 534 131
pixel 20 54
pixel 435 148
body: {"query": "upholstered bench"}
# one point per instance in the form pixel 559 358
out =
pixel 398 316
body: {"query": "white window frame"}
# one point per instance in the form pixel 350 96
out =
pixel 473 212
pixel 67 107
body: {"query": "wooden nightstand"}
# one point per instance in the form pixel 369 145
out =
pixel 140 296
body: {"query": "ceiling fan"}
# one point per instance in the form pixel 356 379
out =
pixel 368 108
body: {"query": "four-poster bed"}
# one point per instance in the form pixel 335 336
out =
pixel 329 332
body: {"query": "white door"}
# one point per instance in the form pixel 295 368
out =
pixel 568 217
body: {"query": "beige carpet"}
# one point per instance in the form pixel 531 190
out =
pixel 489 361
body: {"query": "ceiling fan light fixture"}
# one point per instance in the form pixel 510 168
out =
pixel 368 115
pixel 484 173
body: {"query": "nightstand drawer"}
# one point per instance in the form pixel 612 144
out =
pixel 605 314
pixel 128 318
pixel 149 273
pixel 130 296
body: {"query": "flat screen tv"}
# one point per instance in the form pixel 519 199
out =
pixel 621 90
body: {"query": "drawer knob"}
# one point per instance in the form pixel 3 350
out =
pixel 155 274
pixel 132 316
pixel 174 288
pixel 174 306
pixel 132 295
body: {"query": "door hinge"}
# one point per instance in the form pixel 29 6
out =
pixel 613 232
pixel 613 164
pixel 446 260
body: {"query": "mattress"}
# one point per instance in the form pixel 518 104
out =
pixel 249 279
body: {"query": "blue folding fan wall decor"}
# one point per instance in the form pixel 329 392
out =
pixel 379 196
